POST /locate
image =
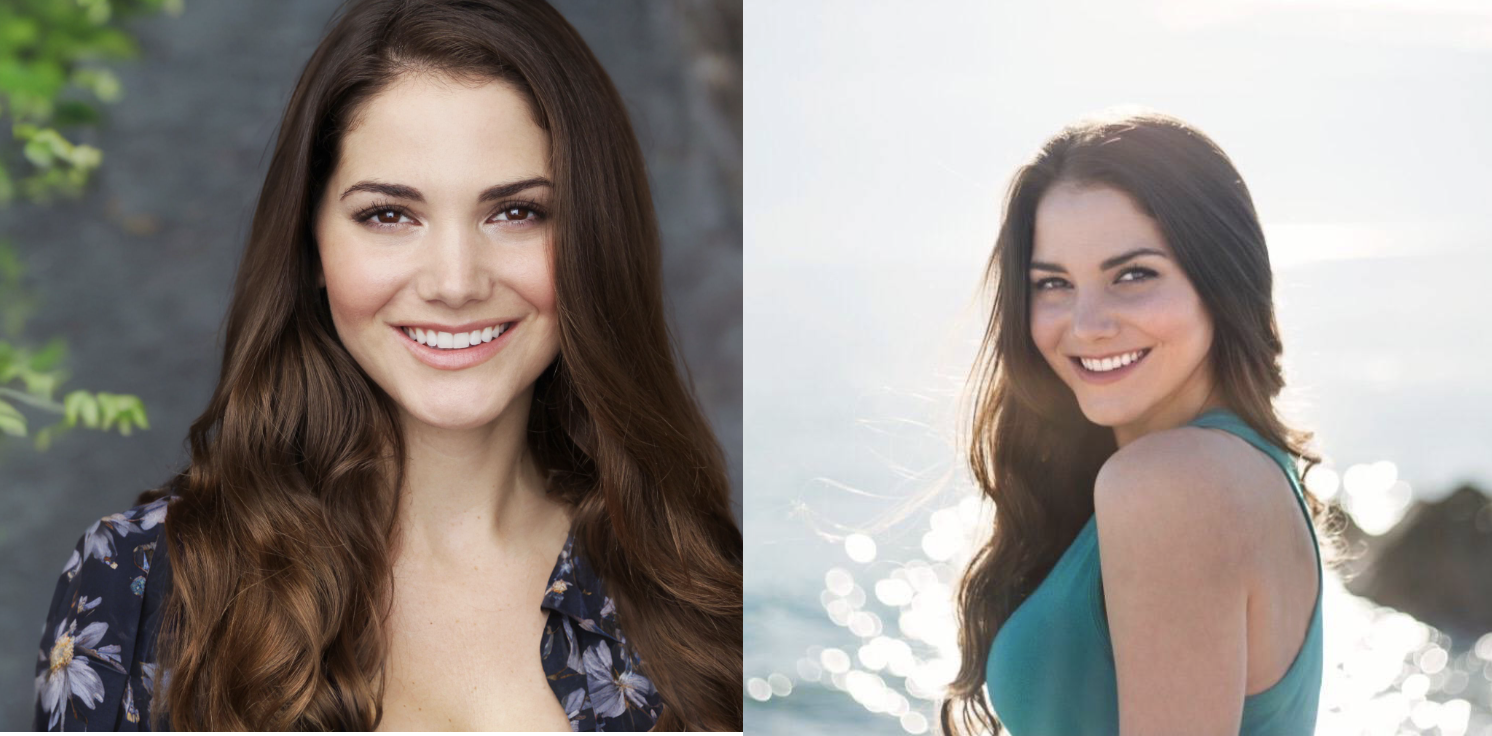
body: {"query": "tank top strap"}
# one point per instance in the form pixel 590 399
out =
pixel 1228 421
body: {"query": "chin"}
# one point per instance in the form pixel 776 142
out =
pixel 455 416
pixel 1110 413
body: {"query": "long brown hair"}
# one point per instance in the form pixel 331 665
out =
pixel 1031 451
pixel 279 542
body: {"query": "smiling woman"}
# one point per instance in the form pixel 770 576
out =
pixel 451 475
pixel 436 220
pixel 1149 571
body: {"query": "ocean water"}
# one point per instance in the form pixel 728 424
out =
pixel 859 514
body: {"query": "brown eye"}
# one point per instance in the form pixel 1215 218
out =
pixel 380 216
pixel 513 214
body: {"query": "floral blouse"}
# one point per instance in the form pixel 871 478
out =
pixel 96 666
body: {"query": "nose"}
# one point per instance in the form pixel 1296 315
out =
pixel 455 270
pixel 1093 319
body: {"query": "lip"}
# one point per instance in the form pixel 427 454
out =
pixel 453 329
pixel 1108 376
pixel 455 360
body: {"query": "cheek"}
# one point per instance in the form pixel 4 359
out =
pixel 355 288
pixel 1176 316
pixel 531 276
pixel 1046 325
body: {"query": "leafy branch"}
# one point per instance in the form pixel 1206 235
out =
pixel 52 71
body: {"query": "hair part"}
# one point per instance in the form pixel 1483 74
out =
pixel 1031 451
pixel 280 542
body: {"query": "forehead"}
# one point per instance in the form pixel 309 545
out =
pixel 444 136
pixel 1082 224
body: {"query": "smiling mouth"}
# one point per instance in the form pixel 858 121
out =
pixel 458 340
pixel 1110 364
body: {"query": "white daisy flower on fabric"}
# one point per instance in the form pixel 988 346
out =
pixel 612 692
pixel 98 539
pixel 69 673
pixel 153 513
pixel 556 592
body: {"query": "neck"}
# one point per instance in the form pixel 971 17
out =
pixel 475 491
pixel 1168 415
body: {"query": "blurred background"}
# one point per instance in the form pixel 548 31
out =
pixel 132 275
pixel 882 136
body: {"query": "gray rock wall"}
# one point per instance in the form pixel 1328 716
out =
pixel 136 274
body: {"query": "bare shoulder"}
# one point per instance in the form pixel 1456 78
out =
pixel 1174 546
pixel 1182 487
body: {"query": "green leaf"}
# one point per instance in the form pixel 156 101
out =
pixel 97 10
pixel 80 405
pixel 41 77
pixel 110 43
pixel 101 82
pixel 109 404
pixel 40 384
pixel 135 411
pixel 39 153
pixel 12 361
pixel 18 32
pixel 76 112
pixel 91 413
pixel 86 158
pixel 50 356
pixel 12 422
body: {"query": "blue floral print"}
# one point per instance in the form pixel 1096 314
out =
pixel 581 646
pixel 96 666
pixel 614 691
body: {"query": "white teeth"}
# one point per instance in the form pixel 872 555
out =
pixel 457 341
pixel 1108 364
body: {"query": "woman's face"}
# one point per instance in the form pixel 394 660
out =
pixel 436 217
pixel 1105 286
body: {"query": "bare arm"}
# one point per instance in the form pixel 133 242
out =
pixel 1174 553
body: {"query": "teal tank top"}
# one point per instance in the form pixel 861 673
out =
pixel 1050 670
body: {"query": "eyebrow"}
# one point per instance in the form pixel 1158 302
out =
pixel 403 191
pixel 1106 265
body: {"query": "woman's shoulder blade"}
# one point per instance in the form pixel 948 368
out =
pixel 89 639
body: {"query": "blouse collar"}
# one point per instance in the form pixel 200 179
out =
pixel 576 591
